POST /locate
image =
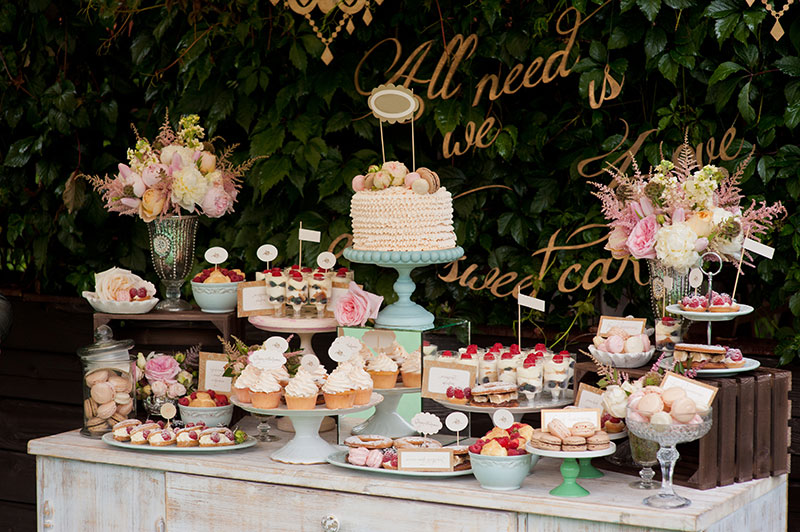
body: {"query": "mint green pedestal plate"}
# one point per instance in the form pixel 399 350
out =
pixel 404 314
pixel 570 470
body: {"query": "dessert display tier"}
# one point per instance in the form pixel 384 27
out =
pixel 109 439
pixel 749 365
pixel 404 314
pixel 517 411
pixel 170 489
pixel 304 328
pixel 571 470
pixel 307 447
pixel 386 420
pixel 744 310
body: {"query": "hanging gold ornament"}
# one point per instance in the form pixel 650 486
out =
pixel 777 30
pixel 347 9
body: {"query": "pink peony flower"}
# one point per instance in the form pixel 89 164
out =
pixel 216 202
pixel 642 208
pixel 357 306
pixel 642 240
pixel 176 389
pixel 158 388
pixel 161 368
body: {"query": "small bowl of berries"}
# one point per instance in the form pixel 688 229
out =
pixel 215 289
pixel 211 408
pixel 499 459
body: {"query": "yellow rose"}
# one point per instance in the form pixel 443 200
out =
pixel 152 204
pixel 208 162
pixel 701 222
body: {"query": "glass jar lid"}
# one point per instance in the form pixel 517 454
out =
pixel 106 348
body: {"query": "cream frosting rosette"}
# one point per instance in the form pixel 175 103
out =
pixel 302 385
pixel 338 381
pixel 381 362
pixel 114 285
pixel 412 363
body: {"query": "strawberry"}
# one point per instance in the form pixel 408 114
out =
pixel 466 355
pixel 497 346
pixel 229 434
pixel 450 392
pixel 488 356
pixel 183 401
pixel 193 396
pixel 193 435
pixel 161 424
pixel 514 349
pixel 224 399
pixel 426 343
pixel 503 441
pixel 513 443
pixel 165 435
pixel 507 355
pixel 215 438
pixel 468 392
pixel 190 425
pixel 540 347
pixel 472 349
pixel 475 448
pixel 394 461
pixel 515 427
pixel 218 402
pixel 458 393
pixel 129 429
pixel 558 359
pixel 212 393
pixel 145 434
pixel 564 353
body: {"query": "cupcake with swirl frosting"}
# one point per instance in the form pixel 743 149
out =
pixel 411 370
pixel 362 382
pixel 383 371
pixel 244 381
pixel 338 390
pixel 301 392
pixel 265 393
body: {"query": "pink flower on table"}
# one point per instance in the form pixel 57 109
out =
pixel 158 388
pixel 357 306
pixel 642 240
pixel 161 368
pixel 216 202
pixel 176 389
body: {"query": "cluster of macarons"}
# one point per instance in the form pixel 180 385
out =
pixel 620 341
pixel 395 174
pixel 663 407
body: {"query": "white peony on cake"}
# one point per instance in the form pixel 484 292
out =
pixel 397 210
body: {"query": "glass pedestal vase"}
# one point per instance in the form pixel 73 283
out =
pixel 664 294
pixel 172 250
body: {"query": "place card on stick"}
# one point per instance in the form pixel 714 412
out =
pixel 252 299
pixel 529 302
pixel 588 397
pixel 632 326
pixel 456 422
pixel 267 253
pixel 701 393
pixel 425 459
pixel 438 376
pixel 216 255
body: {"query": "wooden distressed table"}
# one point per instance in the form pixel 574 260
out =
pixel 84 484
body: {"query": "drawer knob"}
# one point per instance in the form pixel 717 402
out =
pixel 161 526
pixel 330 524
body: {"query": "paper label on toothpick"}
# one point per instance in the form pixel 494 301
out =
pixel 530 302
pixel 456 421
pixel 503 418
pixel 695 277
pixel 759 248
pixel 216 255
pixel 168 411
pixel 267 359
pixel 276 343
pixel 326 260
pixel 310 363
pixel 267 253
pixel 426 423
pixel 343 348
pixel 309 235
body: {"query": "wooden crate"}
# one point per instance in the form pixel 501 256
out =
pixel 748 439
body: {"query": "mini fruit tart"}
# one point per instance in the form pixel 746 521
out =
pixel 188 436
pixel 140 433
pixel 123 429
pixel 161 438
pixel 216 437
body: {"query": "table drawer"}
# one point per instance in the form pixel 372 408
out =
pixel 195 501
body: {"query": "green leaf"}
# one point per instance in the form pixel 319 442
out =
pixel 20 153
pixel 650 8
pixel 505 145
pixel 597 52
pixel 668 67
pixel 723 71
pixel 789 65
pixel 618 39
pixel 222 106
pixel 791 116
pixel 743 103
pixel 338 122
pixel 679 4
pixel 298 57
pixel 267 142
pixel 794 304
pixel 753 19
pixel 723 8
pixel 654 42
pixel 447 115
pixel 724 27
pixel 302 127
pixel 140 47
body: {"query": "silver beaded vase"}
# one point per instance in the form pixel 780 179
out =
pixel 172 250
pixel 660 296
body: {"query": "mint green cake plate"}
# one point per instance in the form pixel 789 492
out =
pixel 404 314
pixel 570 470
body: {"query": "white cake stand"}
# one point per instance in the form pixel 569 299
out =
pixel 307 447
pixel 386 421
pixel 524 407
pixel 304 328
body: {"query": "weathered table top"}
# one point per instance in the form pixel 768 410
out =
pixel 611 499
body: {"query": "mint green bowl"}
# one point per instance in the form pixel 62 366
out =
pixel 216 298
pixel 501 473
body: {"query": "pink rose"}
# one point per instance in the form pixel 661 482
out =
pixel 357 306
pixel 701 244
pixel 616 243
pixel 642 240
pixel 216 202
pixel 679 215
pixel 158 388
pixel 176 389
pixel 643 208
pixel 161 368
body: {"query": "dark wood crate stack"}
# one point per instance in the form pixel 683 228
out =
pixel 749 437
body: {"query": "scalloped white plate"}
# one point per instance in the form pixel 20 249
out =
pixel 120 307
pixel 623 360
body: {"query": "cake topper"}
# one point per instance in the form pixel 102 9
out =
pixel 391 104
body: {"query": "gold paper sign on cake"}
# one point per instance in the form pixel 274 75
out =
pixel 348 9
pixel 392 103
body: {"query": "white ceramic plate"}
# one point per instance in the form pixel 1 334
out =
pixel 710 316
pixel 108 437
pixel 319 410
pixel 120 307
pixel 749 365
pixel 567 454
pixel 622 360
pixel 339 459
pixel 567 398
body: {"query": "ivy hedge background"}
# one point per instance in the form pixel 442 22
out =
pixel 74 75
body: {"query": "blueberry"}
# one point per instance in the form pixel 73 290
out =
pixel 572 363
pixel 551 384
pixel 564 384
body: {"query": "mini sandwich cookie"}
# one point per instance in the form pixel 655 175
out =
pixel 217 437
pixel 188 436
pixel 161 438
pixel 140 433
pixel 123 429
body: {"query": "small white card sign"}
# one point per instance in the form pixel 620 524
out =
pixel 343 348
pixel 252 299
pixel 267 253
pixel 326 260
pixel 168 411
pixel 502 418
pixel 695 277
pixel 589 397
pixel 422 459
pixel 426 423
pixel 216 255
pixel 438 376
pixel 530 302
pixel 309 235
pixel 309 362
pixel 211 373
pixel 759 248
pixel 702 394
pixel 276 343
pixel 632 326
pixel 456 421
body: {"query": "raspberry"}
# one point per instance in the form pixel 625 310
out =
pixel 161 424
pixel 514 349
pixel 394 461
pixel 219 401
pixel 215 437
pixel 458 393
pixel 540 347
pixel 165 434
pixel 193 395
pixel 558 359
pixel 212 394
pixel 515 427
pixel 132 292
pixel 488 356
pixel 472 349
pixel 513 443
pixel 466 355
pixel 129 429
pixel 229 434
pixel 184 401
pixel 389 454
pixel 507 355
pixel 450 391
pixel 468 392
pixel 517 452
pixel 475 448
pixel 497 346
pixel 193 435
pixel 223 399
pixel 564 353
pixel 142 292
pixel 146 434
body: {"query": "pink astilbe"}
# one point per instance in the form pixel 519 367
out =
pixel 756 221
pixel 729 195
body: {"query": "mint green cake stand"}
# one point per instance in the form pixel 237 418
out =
pixel 404 314
pixel 570 470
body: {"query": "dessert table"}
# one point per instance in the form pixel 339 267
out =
pixel 85 484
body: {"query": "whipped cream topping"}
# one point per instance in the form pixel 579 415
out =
pixel 412 363
pixel 399 219
pixel 396 352
pixel 320 374
pixel 381 362
pixel 248 377
pixel 266 383
pixel 280 374
pixel 361 379
pixel 302 385
pixel 339 381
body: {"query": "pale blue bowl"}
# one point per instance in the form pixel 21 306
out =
pixel 216 298
pixel 501 473
pixel 211 416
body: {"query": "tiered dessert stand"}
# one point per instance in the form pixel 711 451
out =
pixel 304 328
pixel 386 421
pixel 567 398
pixel 404 314
pixel 307 447
pixel 571 470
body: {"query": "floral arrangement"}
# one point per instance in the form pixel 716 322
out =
pixel 238 354
pixel 678 212
pixel 354 308
pixel 177 171
pixel 167 376
pixel 396 174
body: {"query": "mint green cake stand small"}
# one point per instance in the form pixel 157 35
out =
pixel 570 470
pixel 404 314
